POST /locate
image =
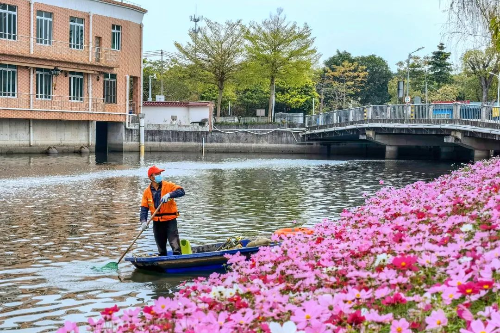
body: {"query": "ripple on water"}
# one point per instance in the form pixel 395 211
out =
pixel 79 214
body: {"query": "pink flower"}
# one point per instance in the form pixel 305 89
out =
pixel 400 326
pixel 405 263
pixel 68 327
pixel 477 326
pixel 288 327
pixel 437 319
pixel 449 294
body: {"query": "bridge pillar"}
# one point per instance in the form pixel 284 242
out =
pixel 391 152
pixel 480 154
pixel 456 111
pixel 446 153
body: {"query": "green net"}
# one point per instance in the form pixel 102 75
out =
pixel 110 266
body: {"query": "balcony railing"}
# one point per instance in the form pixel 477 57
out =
pixel 59 50
pixel 54 103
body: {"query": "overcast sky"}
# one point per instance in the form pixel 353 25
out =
pixel 388 28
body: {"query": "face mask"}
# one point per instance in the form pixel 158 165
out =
pixel 158 179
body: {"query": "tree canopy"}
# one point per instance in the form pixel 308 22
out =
pixel 281 50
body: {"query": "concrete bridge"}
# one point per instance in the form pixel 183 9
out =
pixel 447 126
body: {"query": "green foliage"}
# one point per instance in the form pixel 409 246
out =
pixel 295 98
pixel 216 50
pixel 374 91
pixel 280 50
pixel 440 68
pixel 481 64
pixel 346 81
pixel 448 92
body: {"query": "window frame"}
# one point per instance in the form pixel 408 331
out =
pixel 78 28
pixel 41 74
pixel 12 14
pixel 116 37
pixel 47 25
pixel 12 70
pixel 76 78
pixel 110 81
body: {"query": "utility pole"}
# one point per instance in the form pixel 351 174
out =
pixel 408 71
pixel 161 78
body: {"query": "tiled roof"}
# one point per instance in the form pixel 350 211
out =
pixel 176 103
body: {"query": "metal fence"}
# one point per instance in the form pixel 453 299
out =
pixel 289 118
pixel 486 113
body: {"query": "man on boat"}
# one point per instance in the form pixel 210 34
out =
pixel 165 221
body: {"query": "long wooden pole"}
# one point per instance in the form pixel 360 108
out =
pixel 124 253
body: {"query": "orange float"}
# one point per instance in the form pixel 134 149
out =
pixel 293 231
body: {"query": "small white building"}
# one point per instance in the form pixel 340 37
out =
pixel 178 115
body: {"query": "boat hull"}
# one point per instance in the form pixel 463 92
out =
pixel 203 258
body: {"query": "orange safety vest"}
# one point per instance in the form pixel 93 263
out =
pixel 168 210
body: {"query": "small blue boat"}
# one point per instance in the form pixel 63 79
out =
pixel 203 258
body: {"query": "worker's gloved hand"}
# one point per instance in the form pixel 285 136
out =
pixel 165 197
pixel 144 225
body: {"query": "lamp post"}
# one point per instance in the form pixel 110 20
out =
pixel 408 71
pixel 151 76
pixel 498 87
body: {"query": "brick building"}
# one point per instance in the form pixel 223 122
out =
pixel 70 73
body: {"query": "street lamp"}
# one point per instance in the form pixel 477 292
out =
pixel 154 77
pixel 498 87
pixel 408 71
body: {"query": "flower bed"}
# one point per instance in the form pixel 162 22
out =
pixel 424 257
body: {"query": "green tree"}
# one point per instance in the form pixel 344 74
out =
pixel 346 80
pixel 374 91
pixel 295 98
pixel 440 68
pixel 480 64
pixel 447 92
pixel 417 78
pixel 218 51
pixel 281 50
pixel 338 58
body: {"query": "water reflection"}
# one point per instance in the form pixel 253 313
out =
pixel 62 215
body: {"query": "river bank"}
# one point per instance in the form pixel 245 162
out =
pixel 423 257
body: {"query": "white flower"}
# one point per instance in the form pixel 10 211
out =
pixel 217 292
pixel 382 259
pixel 464 259
pixel 466 227
pixel 288 327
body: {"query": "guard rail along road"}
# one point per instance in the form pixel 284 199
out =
pixel 475 127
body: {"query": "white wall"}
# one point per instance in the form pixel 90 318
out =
pixel 163 114
pixel 198 113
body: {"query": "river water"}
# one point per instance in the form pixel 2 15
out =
pixel 62 215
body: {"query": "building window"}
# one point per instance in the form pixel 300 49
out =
pixel 43 27
pixel 116 37
pixel 76 33
pixel 110 88
pixel 43 83
pixel 76 86
pixel 8 22
pixel 8 80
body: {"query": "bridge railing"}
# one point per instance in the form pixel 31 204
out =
pixel 485 113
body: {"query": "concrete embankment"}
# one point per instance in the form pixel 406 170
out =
pixel 267 138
